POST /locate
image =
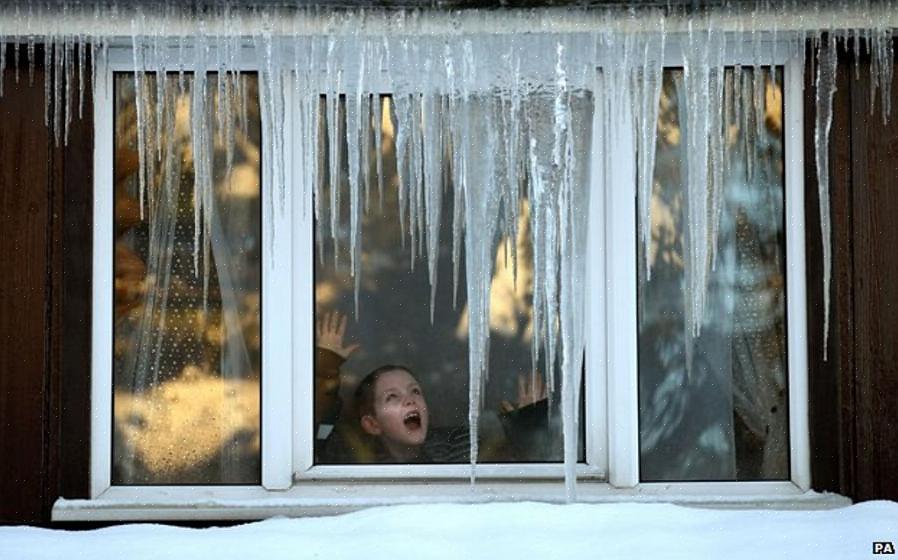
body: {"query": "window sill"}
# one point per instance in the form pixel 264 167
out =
pixel 316 499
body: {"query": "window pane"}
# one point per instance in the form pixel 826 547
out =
pixel 187 316
pixel 725 417
pixel 394 327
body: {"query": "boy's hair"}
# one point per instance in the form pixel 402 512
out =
pixel 364 393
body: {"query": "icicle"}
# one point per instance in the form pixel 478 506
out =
pixel 202 181
pixel 458 114
pixel 716 108
pixel 882 69
pixel 352 134
pixel 696 79
pixel 48 73
pixel 401 114
pixel 2 63
pixel 365 86
pixel 416 182
pixel 512 153
pixel 82 61
pixel 366 148
pixel 68 65
pixel 482 206
pixel 333 140
pixel 649 87
pixel 31 60
pixel 137 58
pixel 379 147
pixel 16 47
pixel 826 88
pixel 574 204
pixel 433 185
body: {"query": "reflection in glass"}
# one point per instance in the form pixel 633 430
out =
pixel 725 417
pixel 187 324
pixel 394 324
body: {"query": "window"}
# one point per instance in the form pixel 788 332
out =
pixel 241 350
pixel 724 414
pixel 187 344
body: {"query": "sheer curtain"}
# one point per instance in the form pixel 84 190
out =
pixel 713 407
pixel 187 348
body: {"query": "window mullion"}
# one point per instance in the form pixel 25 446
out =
pixel 596 349
pixel 303 290
pixel 796 289
pixel 277 326
pixel 102 315
pixel 620 237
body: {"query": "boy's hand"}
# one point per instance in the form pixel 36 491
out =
pixel 531 389
pixel 329 330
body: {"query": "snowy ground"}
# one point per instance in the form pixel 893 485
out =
pixel 490 531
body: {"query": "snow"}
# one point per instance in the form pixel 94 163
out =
pixel 490 531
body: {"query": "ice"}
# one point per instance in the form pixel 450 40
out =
pixel 137 53
pixel 2 64
pixel 697 83
pixel 648 85
pixel 352 135
pixel 482 204
pixel 826 88
pixel 433 175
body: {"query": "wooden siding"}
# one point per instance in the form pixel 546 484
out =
pixel 854 417
pixel 45 251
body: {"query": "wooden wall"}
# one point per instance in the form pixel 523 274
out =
pixel 45 260
pixel 45 264
pixel 854 393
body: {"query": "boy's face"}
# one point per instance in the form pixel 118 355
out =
pixel 400 411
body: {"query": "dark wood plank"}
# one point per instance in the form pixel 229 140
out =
pixel 75 312
pixel 24 216
pixel 839 429
pixel 875 156
pixel 824 374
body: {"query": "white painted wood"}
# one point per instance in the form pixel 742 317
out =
pixel 193 503
pixel 485 471
pixel 102 284
pixel 303 313
pixel 620 236
pixel 596 380
pixel 738 51
pixel 612 413
pixel 796 288
pixel 277 325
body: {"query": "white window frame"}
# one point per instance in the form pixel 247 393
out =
pixel 293 485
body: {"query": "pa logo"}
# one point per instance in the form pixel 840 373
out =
pixel 883 547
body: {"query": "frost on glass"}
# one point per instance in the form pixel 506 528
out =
pixel 186 360
pixel 717 411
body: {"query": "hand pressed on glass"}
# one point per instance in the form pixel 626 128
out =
pixel 531 390
pixel 330 330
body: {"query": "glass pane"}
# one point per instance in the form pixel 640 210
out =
pixel 725 417
pixel 394 327
pixel 187 347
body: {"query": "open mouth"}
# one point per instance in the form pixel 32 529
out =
pixel 412 420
